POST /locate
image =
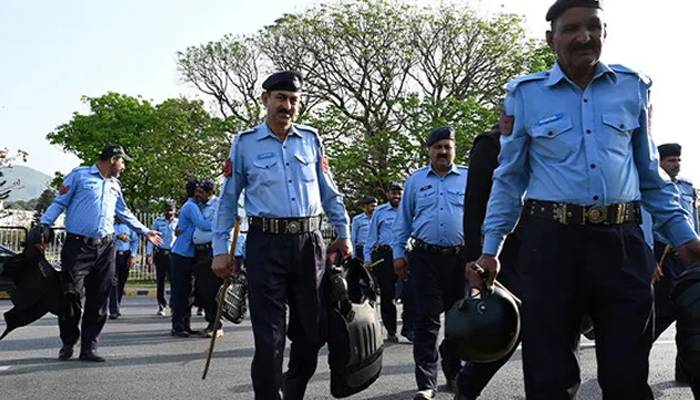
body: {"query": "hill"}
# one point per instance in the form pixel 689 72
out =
pixel 33 182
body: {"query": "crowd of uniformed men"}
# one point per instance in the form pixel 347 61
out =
pixel 552 205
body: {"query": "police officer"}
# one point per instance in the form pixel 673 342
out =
pixel 378 247
pixel 160 255
pixel 483 160
pixel 183 262
pixel 360 225
pixel 575 143
pixel 287 182
pixel 670 265
pixel 91 197
pixel 206 283
pixel 126 243
pixel 431 213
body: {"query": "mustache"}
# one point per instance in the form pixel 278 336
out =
pixel 284 110
pixel 584 46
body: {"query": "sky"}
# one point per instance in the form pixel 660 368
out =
pixel 54 52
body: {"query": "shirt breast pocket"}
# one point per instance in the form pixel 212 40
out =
pixel 307 166
pixel 264 171
pixel 618 128
pixel 555 140
pixel 425 199
pixel 456 197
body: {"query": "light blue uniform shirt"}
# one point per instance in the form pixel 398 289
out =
pixel 585 147
pixel 281 180
pixel 132 242
pixel 360 227
pixel 687 198
pixel 431 209
pixel 380 231
pixel 190 218
pixel 202 236
pixel 167 233
pixel 91 202
pixel 239 251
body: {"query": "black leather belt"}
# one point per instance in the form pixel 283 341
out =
pixel 285 226
pixel 203 246
pixel 94 242
pixel 162 251
pixel 122 252
pixel 431 248
pixel 383 248
pixel 572 214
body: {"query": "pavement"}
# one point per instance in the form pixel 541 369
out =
pixel 145 362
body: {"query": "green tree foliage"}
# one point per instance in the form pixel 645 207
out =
pixel 170 142
pixel 6 161
pixel 380 74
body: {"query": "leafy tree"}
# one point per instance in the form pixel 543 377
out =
pixel 170 143
pixel 44 200
pixel 379 75
pixel 6 161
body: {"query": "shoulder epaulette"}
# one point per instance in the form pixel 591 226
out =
pixel 462 167
pixel 685 180
pixel 537 76
pixel 306 128
pixel 625 70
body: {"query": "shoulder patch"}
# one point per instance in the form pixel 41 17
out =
pixel 537 76
pixel 626 70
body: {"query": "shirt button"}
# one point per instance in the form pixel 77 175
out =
pixel 287 164
pixel 588 131
pixel 592 166
pixel 550 133
pixel 293 199
pixel 290 181
pixel 595 198
pixel 585 100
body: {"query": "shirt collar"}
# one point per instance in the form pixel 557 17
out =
pixel 264 132
pixel 556 74
pixel 453 170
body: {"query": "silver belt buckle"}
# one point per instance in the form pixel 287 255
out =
pixel 293 227
pixel 597 214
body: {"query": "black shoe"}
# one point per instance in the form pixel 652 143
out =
pixel 392 338
pixel 182 334
pixel 113 316
pixel 65 353
pixel 196 333
pixel 451 385
pixel 90 355
pixel 409 335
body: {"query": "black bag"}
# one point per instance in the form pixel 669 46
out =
pixel 355 338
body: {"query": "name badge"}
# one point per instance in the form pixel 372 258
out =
pixel 547 120
pixel 265 155
pixel 426 187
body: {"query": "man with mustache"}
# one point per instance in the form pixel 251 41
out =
pixel 671 267
pixel 430 213
pixel 576 147
pixel 378 247
pixel 287 181
pixel 91 197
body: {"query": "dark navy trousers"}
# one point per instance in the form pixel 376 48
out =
pixel 386 279
pixel 284 271
pixel 567 270
pixel 121 274
pixel 437 281
pixel 85 270
pixel 182 291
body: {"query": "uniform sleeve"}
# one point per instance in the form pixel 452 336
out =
pixel 65 193
pixel 509 180
pixel 128 217
pixel 135 242
pixel 331 198
pixel 403 224
pixel 227 206
pixel 482 162
pixel 354 231
pixel 659 195
pixel 372 235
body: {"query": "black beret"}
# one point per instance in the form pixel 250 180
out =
pixel 369 200
pixel 445 132
pixel 191 185
pixel 207 185
pixel 670 150
pixel 562 5
pixel 112 150
pixel 290 81
pixel 395 186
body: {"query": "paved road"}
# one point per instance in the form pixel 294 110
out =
pixel 144 362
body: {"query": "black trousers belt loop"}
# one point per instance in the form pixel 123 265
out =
pixel 285 226
pixel 572 214
pixel 431 248
pixel 203 246
pixel 94 242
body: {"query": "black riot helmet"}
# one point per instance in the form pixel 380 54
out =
pixel 483 327
pixel 360 284
pixel 686 301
